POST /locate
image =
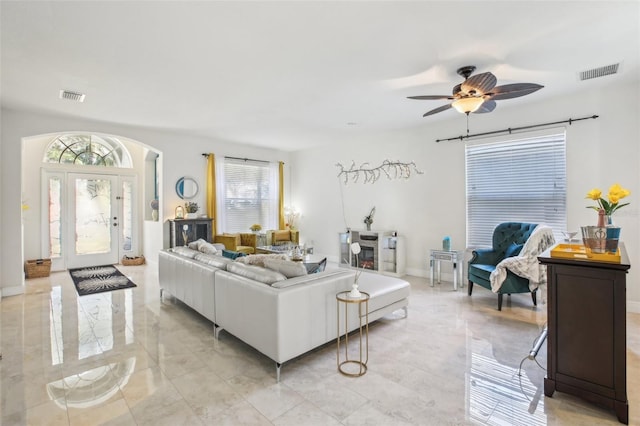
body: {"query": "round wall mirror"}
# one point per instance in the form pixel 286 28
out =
pixel 186 188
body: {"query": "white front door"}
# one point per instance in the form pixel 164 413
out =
pixel 93 213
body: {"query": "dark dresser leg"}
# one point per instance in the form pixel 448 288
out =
pixel 549 387
pixel 622 411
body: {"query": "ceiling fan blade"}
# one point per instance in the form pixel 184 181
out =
pixel 430 97
pixel 487 106
pixel 480 83
pixel 456 89
pixel 437 110
pixel 510 91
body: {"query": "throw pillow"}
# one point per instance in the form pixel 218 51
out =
pixel 195 245
pixel 258 259
pixel 232 254
pixel 207 248
pixel 513 250
pixel 286 267
pixel 313 268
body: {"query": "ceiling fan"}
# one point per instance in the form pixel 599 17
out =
pixel 478 93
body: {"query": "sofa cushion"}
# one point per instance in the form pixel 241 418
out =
pixel 481 271
pixel 258 259
pixel 255 273
pixel 246 249
pixel 286 267
pixel 303 279
pixel 219 262
pixel 383 290
pixel 185 251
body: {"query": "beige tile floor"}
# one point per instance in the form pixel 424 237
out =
pixel 125 358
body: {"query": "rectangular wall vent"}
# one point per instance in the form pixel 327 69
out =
pixel 72 96
pixel 599 72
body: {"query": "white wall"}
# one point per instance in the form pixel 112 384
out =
pixel 181 155
pixel 427 207
pixel 423 209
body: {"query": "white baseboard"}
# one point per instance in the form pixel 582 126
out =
pixel 416 272
pixel 12 291
pixel 633 307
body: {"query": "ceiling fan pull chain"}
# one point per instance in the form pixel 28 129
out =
pixel 467 125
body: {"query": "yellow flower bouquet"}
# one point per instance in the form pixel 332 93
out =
pixel 255 227
pixel 616 193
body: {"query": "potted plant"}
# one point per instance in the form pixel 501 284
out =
pixel 192 209
pixel 256 227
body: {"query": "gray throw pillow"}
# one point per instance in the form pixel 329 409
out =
pixel 286 267
pixel 208 248
pixel 258 259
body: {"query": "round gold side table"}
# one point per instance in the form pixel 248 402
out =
pixel 362 303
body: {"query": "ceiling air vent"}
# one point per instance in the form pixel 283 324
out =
pixel 599 72
pixel 72 96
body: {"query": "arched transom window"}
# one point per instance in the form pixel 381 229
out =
pixel 87 150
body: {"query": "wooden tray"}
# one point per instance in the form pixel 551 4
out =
pixel 579 251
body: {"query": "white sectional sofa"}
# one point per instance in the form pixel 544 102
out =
pixel 282 319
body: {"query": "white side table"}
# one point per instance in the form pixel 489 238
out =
pixel 452 256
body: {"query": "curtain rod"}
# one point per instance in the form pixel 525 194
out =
pixel 238 158
pixel 512 129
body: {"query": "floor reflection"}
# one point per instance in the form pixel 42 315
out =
pixel 92 387
pixel 125 357
pixel 499 395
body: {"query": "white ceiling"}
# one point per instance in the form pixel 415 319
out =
pixel 276 74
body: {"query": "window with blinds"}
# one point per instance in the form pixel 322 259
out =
pixel 249 195
pixel 520 180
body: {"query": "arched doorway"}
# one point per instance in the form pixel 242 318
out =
pixel 88 199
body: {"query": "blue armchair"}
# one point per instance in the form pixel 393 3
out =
pixel 508 239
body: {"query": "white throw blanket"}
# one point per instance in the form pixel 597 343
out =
pixel 526 263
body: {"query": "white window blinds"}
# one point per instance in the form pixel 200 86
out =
pixel 520 180
pixel 248 194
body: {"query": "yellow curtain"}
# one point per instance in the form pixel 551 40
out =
pixel 211 191
pixel 281 197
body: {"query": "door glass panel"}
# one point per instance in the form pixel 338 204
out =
pixel 126 222
pixel 93 213
pixel 55 228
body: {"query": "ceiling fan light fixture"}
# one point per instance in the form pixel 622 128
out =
pixel 467 105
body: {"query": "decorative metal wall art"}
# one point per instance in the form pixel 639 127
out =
pixel 388 168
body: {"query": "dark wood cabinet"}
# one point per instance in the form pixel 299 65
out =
pixel 194 229
pixel 587 341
